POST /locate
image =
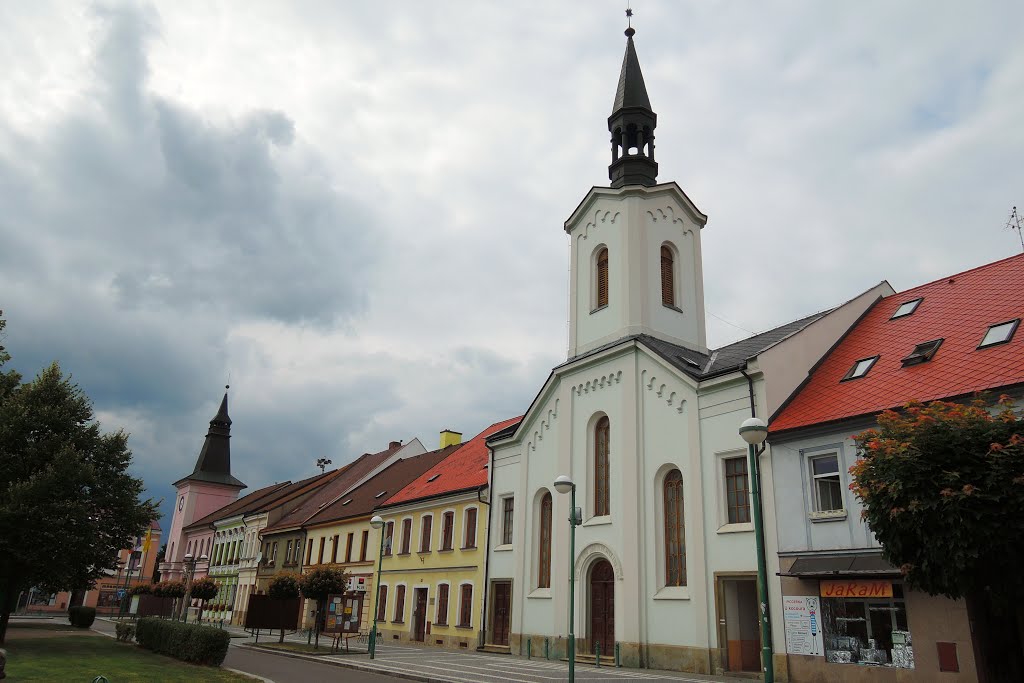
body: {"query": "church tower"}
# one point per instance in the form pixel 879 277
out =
pixel 210 487
pixel 636 258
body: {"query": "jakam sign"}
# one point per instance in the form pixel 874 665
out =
pixel 856 589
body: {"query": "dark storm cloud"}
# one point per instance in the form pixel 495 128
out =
pixel 137 231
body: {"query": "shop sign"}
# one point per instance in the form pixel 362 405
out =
pixel 856 588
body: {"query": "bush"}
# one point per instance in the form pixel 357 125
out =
pixel 125 631
pixel 285 586
pixel 82 617
pixel 142 589
pixel 204 589
pixel 187 642
pixel 168 589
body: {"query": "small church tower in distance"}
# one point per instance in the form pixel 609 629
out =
pixel 636 259
pixel 210 487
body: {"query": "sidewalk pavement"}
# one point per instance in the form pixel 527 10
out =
pixel 438 665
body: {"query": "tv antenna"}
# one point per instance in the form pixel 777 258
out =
pixel 1016 223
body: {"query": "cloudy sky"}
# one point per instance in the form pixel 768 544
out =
pixel 354 211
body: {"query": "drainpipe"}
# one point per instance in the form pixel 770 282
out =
pixel 487 545
pixel 762 559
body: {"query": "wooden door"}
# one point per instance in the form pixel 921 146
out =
pixel 502 612
pixel 602 607
pixel 419 615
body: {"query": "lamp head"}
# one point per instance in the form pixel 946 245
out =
pixel 377 522
pixel 563 484
pixel 754 431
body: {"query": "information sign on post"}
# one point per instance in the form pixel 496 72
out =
pixel 343 613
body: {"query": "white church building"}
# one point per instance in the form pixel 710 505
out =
pixel 643 417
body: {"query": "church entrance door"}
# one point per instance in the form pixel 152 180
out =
pixel 602 607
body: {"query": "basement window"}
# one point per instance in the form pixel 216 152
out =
pixel 999 333
pixel 922 352
pixel 860 368
pixel 906 308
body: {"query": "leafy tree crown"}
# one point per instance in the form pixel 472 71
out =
pixel 318 583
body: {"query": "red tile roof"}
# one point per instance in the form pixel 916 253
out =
pixel 958 309
pixel 464 469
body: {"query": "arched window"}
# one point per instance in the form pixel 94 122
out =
pixel 601 492
pixel 668 282
pixel 544 551
pixel 675 535
pixel 602 278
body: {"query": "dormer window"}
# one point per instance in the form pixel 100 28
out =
pixel 999 333
pixel 907 308
pixel 922 352
pixel 860 368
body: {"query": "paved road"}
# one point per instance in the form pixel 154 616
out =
pixel 288 670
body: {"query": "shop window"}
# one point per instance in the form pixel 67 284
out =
pixel 827 488
pixel 868 630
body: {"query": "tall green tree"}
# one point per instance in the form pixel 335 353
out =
pixel 943 490
pixel 318 584
pixel 67 502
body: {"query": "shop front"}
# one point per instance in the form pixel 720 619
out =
pixel 852 618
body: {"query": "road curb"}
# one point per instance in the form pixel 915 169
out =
pixel 357 666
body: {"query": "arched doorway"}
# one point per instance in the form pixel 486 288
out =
pixel 602 606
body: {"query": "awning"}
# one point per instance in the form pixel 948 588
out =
pixel 826 566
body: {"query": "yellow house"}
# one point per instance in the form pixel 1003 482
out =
pixel 340 534
pixel 432 572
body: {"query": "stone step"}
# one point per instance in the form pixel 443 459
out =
pixel 496 649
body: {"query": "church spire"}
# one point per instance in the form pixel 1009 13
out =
pixel 632 125
pixel 214 462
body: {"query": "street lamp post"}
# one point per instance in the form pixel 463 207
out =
pixel 377 522
pixel 564 484
pixel 754 431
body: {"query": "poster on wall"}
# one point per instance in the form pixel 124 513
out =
pixel 802 617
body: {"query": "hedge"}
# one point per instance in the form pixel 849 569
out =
pixel 125 631
pixel 82 617
pixel 187 642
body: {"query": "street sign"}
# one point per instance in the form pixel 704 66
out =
pixel 121 593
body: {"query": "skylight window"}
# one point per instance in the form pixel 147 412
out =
pixel 907 308
pixel 433 478
pixel 860 368
pixel 380 494
pixel 999 333
pixel 346 502
pixel 922 352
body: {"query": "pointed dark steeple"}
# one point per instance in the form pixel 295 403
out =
pixel 214 463
pixel 632 125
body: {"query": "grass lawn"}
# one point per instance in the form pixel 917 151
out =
pixel 82 658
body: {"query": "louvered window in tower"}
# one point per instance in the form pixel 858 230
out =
pixel 601 484
pixel 668 280
pixel 602 278
pixel 675 536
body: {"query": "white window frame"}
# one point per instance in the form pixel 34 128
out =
pixel 476 530
pixel 437 606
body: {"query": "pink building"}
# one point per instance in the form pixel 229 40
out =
pixel 209 488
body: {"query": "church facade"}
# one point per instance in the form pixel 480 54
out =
pixel 644 418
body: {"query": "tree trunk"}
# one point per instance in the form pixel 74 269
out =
pixel 996 639
pixel 8 602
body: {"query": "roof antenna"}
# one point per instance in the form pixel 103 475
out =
pixel 1014 223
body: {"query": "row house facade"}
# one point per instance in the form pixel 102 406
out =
pixel 433 558
pixel 948 340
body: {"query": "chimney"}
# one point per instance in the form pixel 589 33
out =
pixel 394 444
pixel 450 437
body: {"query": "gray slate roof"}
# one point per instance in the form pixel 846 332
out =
pixel 726 359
